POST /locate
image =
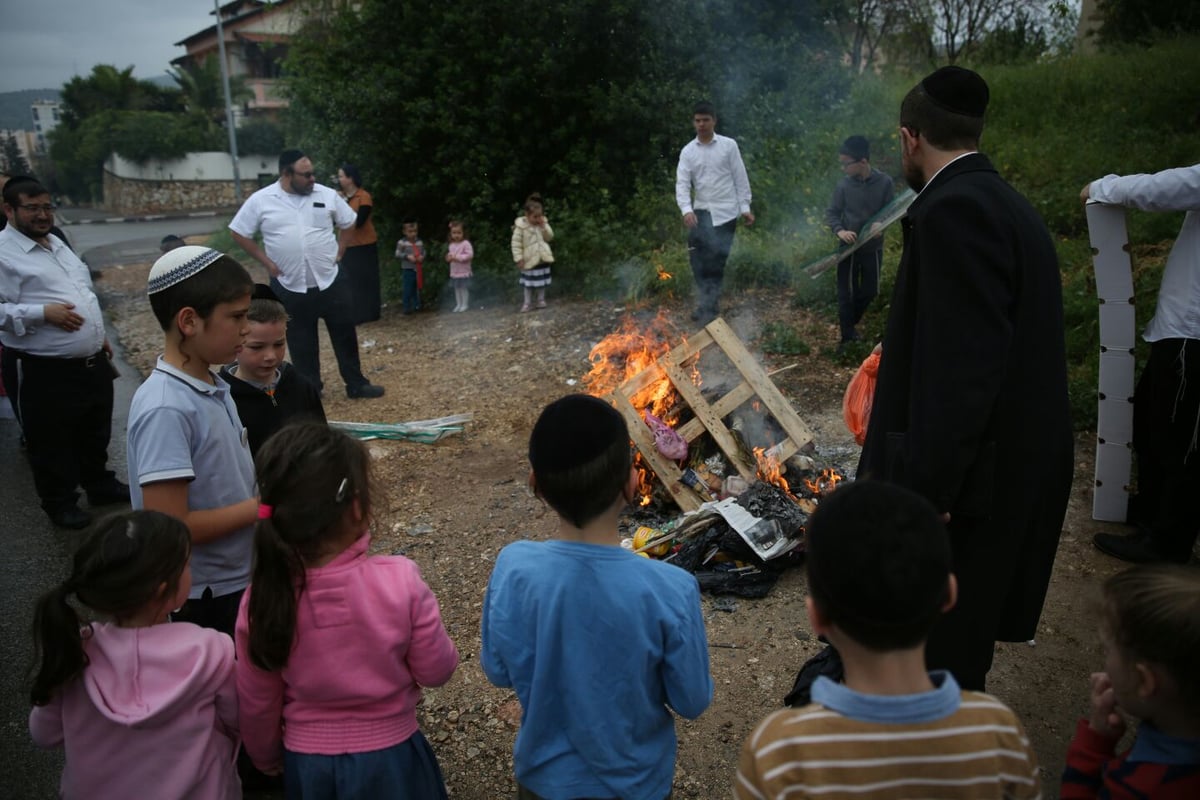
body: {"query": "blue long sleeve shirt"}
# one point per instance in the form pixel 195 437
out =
pixel 599 645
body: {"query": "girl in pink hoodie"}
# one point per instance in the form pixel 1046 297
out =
pixel 142 708
pixel 334 645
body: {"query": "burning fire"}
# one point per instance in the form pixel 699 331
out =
pixel 824 483
pixel 621 355
pixel 769 470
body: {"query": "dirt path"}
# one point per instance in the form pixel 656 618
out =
pixel 451 507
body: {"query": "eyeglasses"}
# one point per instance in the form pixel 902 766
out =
pixel 45 208
pixel 304 174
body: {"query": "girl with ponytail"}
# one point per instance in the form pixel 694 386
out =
pixel 334 645
pixel 137 704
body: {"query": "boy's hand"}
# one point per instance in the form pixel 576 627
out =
pixel 689 220
pixel 1105 719
pixel 848 237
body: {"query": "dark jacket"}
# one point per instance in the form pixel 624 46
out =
pixel 294 399
pixel 855 202
pixel 971 406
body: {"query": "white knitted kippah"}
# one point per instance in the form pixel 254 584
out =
pixel 179 264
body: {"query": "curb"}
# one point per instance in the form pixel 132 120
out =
pixel 146 218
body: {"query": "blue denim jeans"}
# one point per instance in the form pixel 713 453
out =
pixel 412 299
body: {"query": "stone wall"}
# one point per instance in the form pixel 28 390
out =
pixel 129 197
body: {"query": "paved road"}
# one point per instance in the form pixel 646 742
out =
pixel 35 553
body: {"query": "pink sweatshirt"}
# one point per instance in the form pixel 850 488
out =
pixel 368 636
pixel 154 713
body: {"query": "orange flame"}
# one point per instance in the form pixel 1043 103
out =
pixel 769 470
pixel 824 483
pixel 631 350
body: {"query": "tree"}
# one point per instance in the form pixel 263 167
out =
pixel 14 161
pixel 1143 20
pixel 946 31
pixel 860 26
pixel 586 101
pixel 204 92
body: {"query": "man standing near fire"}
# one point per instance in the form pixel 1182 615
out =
pixel 1166 402
pixel 971 403
pixel 712 191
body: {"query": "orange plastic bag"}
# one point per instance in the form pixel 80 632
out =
pixel 860 393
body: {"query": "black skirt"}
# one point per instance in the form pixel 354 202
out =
pixel 360 268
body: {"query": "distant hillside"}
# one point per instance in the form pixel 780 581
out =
pixel 14 107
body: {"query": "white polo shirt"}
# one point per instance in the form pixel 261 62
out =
pixel 297 232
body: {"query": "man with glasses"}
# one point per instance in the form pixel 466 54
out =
pixel 296 216
pixel 712 191
pixel 862 193
pixel 55 364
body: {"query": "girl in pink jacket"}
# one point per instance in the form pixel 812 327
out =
pixel 334 645
pixel 142 708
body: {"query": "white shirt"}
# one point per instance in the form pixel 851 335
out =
pixel 297 232
pixel 716 172
pixel 31 276
pixel 1177 315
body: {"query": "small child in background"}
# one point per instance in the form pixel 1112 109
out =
pixel 599 644
pixel 268 391
pixel 411 252
pixel 1151 634
pixel 334 645
pixel 138 705
pixel 187 451
pixel 878 561
pixel 459 255
pixel 531 251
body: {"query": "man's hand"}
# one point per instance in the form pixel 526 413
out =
pixel 60 315
pixel 849 237
pixel 106 348
pixel 748 218
pixel 876 230
pixel 1086 194
pixel 1105 720
pixel 689 220
pixel 273 270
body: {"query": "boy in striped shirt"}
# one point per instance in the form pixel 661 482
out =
pixel 879 576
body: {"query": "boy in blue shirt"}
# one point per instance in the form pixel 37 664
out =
pixel 187 450
pixel 599 644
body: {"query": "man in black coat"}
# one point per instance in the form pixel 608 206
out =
pixel 971 408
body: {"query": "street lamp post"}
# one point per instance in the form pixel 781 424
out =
pixel 233 153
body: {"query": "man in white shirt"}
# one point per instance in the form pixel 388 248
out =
pixel 712 191
pixel 296 216
pixel 1166 402
pixel 55 363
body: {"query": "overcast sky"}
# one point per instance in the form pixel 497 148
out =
pixel 44 43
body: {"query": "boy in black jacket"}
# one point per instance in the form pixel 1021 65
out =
pixel 268 391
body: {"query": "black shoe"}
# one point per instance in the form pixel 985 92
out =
pixel 71 517
pixel 110 494
pixel 1136 548
pixel 364 392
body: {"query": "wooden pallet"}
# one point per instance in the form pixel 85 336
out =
pixel 755 384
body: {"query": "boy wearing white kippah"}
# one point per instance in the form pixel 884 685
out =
pixel 188 452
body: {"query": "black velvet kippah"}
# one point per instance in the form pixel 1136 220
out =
pixel 957 90
pixel 264 292
pixel 572 431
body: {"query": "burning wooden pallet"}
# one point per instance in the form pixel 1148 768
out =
pixel 678 366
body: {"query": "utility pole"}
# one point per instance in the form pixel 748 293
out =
pixel 233 153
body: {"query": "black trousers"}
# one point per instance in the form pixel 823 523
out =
pixel 857 285
pixel 64 406
pixel 218 613
pixel 1166 440
pixel 708 250
pixel 336 306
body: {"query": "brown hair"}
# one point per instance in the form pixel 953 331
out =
pixel 116 572
pixel 1152 613
pixel 308 474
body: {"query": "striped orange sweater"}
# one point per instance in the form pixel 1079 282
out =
pixel 979 750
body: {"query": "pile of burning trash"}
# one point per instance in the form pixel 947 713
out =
pixel 749 509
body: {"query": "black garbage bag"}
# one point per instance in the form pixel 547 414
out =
pixel 746 583
pixel 828 662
